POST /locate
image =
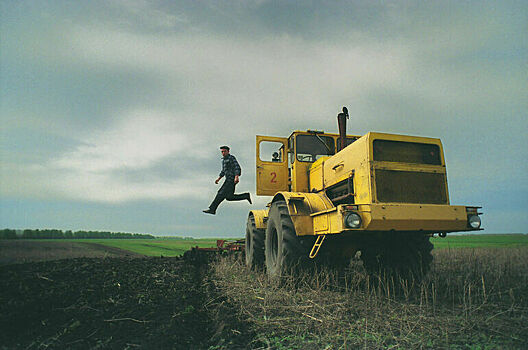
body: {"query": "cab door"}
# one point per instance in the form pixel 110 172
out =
pixel 272 165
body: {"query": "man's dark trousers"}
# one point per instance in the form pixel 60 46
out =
pixel 227 191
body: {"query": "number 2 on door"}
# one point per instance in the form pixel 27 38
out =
pixel 273 177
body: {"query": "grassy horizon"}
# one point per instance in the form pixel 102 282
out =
pixel 511 240
pixel 176 246
pixel 154 247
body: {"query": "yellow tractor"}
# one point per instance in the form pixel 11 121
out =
pixel 334 195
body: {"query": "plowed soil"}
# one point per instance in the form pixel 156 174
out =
pixel 112 302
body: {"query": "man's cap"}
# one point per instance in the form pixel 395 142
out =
pixel 224 147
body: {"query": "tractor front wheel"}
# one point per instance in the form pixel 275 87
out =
pixel 284 251
pixel 254 244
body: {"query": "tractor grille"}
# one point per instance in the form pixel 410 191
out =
pixel 410 187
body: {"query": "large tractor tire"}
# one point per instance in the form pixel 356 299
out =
pixel 403 256
pixel 254 244
pixel 284 251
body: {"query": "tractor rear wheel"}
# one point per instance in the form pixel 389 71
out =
pixel 284 250
pixel 254 244
pixel 402 256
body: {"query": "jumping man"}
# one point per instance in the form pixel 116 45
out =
pixel 231 170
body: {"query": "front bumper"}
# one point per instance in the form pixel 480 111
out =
pixel 416 217
pixel 396 217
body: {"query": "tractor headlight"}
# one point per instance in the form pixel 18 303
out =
pixel 352 220
pixel 474 221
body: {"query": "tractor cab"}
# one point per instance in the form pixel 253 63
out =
pixel 283 164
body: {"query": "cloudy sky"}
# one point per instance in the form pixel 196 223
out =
pixel 112 111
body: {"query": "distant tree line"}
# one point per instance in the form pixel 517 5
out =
pixel 57 234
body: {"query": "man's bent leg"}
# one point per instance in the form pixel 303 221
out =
pixel 238 197
pixel 222 194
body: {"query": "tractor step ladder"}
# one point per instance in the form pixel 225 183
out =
pixel 318 243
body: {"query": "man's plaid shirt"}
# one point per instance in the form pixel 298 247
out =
pixel 230 167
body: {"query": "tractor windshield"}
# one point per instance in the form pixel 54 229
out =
pixel 309 148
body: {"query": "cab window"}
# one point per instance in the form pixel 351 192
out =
pixel 309 148
pixel 271 151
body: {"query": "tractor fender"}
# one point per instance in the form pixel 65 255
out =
pixel 301 205
pixel 261 217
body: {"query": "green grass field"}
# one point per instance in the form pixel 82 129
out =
pixel 154 247
pixel 481 241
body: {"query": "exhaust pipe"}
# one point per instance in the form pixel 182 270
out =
pixel 341 121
